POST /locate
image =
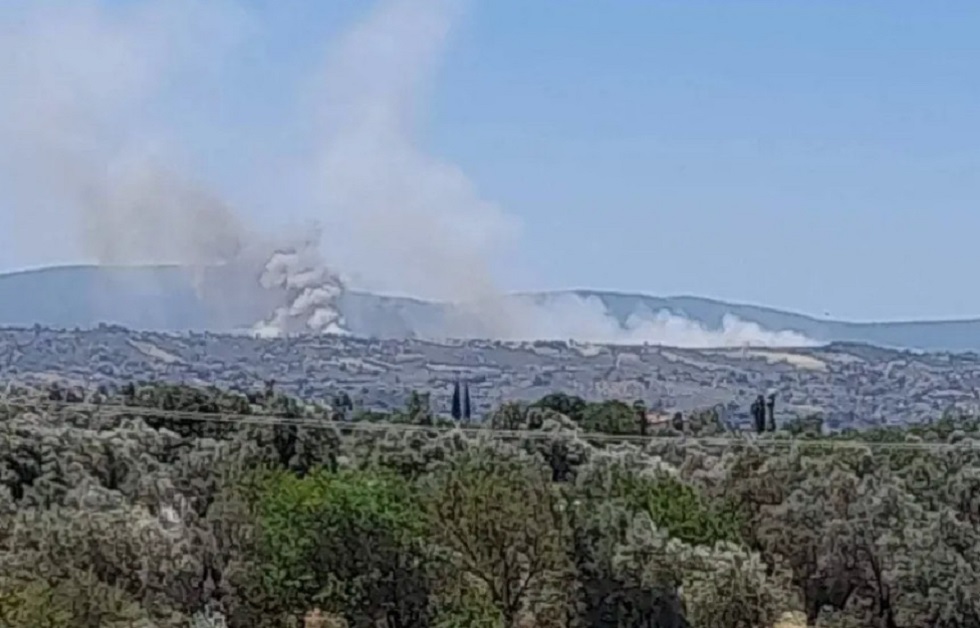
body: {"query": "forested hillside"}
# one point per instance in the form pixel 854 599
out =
pixel 157 505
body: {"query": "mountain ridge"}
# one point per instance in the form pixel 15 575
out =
pixel 164 298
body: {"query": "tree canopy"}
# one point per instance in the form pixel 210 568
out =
pixel 151 509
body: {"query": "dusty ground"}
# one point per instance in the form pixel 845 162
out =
pixel 791 620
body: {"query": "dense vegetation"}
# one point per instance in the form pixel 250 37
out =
pixel 127 514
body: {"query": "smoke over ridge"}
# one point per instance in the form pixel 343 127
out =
pixel 570 316
pixel 95 166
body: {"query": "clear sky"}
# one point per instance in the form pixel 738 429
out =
pixel 822 157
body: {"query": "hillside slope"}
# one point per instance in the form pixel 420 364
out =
pixel 164 299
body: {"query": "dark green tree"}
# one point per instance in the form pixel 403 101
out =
pixel 759 414
pixel 677 421
pixel 457 410
pixel 418 409
pixel 608 417
pixel 640 408
pixel 771 413
pixel 569 405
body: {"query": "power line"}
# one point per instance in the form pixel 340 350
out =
pixel 272 420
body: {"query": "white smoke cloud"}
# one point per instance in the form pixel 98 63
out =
pixel 570 316
pixel 92 169
pixel 312 293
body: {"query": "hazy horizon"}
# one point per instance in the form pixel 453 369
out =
pixel 543 292
pixel 776 154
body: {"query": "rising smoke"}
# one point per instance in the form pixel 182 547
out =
pixel 89 176
pixel 93 169
pixel 566 316
pixel 311 292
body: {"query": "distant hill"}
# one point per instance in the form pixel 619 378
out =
pixel 164 299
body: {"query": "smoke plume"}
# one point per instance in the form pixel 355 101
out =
pixel 569 316
pixel 413 223
pixel 100 162
pixel 312 292
pixel 417 225
pixel 91 176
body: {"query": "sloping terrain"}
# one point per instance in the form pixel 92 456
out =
pixel 165 299
pixel 849 385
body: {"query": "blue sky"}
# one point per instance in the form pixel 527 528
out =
pixel 815 156
pixel 820 156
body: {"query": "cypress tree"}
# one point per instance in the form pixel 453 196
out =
pixel 457 407
pixel 640 409
pixel 771 412
pixel 759 414
pixel 467 409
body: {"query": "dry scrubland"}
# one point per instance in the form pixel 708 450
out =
pixel 848 385
pixel 118 509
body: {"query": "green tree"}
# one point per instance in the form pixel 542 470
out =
pixel 609 417
pixel 349 543
pixel 509 416
pixel 418 408
pixel 502 525
pixel 569 405
pixel 76 599
pixel 673 505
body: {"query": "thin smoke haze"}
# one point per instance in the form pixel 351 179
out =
pixel 414 223
pixel 95 166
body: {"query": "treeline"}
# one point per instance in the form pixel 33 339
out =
pixel 608 417
pixel 133 519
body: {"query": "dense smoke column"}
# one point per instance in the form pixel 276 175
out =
pixel 311 290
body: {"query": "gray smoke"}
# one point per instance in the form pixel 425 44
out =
pixel 92 168
pixel 89 177
pixel 146 215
